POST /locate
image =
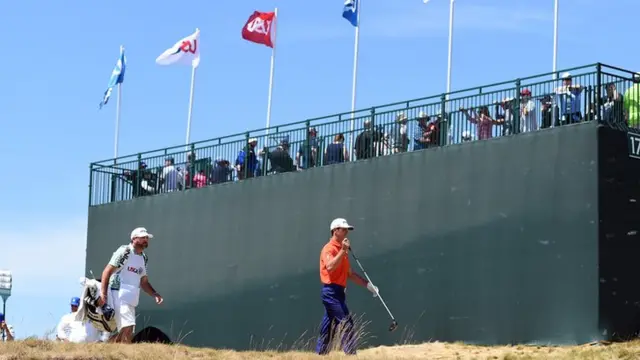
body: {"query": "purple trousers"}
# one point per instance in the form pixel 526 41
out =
pixel 336 313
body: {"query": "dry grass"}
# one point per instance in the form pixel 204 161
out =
pixel 302 349
pixel 43 349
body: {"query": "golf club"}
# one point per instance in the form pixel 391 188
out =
pixel 394 323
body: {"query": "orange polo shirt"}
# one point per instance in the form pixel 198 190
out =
pixel 341 272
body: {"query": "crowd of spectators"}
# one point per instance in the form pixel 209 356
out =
pixel 562 106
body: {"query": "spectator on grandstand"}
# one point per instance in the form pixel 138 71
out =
pixel 466 136
pixel 546 112
pixel 592 114
pixel 186 171
pixel 279 158
pixel 504 115
pixel 528 114
pixel 71 330
pixel 366 141
pixel 6 330
pixel 308 151
pixel 247 163
pixel 221 172
pixel 336 152
pixel 427 134
pixel 569 96
pixel 140 180
pixel 613 107
pixel 400 135
pixel 632 103
pixel 171 178
pixel 483 121
pixel 200 179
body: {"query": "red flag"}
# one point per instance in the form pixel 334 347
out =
pixel 258 28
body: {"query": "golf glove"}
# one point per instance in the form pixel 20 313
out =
pixel 373 289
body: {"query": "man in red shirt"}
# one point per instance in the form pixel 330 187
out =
pixel 334 272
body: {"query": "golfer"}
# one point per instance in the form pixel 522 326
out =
pixel 122 279
pixel 334 271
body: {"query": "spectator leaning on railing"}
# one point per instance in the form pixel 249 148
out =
pixel 632 103
pixel 569 96
pixel 528 115
pixel 247 161
pixel 613 106
pixel 221 172
pixel 308 151
pixel 280 159
pixel 171 178
pixel 483 121
pixel 336 152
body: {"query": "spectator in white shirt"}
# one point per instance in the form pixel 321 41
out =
pixel 71 330
pixel 6 330
pixel 171 178
pixel 528 118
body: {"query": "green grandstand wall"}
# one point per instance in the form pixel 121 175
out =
pixel 489 242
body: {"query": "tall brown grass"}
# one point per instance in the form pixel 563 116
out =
pixel 303 348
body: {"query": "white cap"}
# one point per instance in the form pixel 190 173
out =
pixel 566 75
pixel 140 232
pixel 340 223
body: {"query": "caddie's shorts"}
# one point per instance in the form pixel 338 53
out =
pixel 125 313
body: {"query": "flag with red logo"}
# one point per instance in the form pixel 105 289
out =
pixel 185 51
pixel 258 28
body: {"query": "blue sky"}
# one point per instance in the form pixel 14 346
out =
pixel 59 56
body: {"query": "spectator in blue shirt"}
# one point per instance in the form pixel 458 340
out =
pixel 569 97
pixel 247 161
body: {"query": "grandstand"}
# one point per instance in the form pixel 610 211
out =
pixel 395 127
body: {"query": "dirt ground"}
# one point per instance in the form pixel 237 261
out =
pixel 40 349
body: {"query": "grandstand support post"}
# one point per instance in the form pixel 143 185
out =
pixel 113 186
pixel 90 182
pixel 4 310
pixel 246 155
pixel 598 89
pixel 445 124
pixel 307 148
pixel 6 284
pixel 516 111
pixel 191 164
pixel 137 184
pixel 373 128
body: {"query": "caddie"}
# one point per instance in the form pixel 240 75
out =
pixel 121 281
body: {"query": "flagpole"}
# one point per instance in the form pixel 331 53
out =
pixel 117 132
pixel 449 57
pixel 355 74
pixel 555 38
pixel 451 5
pixel 273 60
pixel 555 58
pixel 193 81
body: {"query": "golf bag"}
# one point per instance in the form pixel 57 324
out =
pixel 102 318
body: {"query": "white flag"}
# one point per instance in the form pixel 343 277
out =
pixel 185 51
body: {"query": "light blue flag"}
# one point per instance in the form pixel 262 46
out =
pixel 117 77
pixel 351 10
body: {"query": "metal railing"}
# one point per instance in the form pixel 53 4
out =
pixel 500 109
